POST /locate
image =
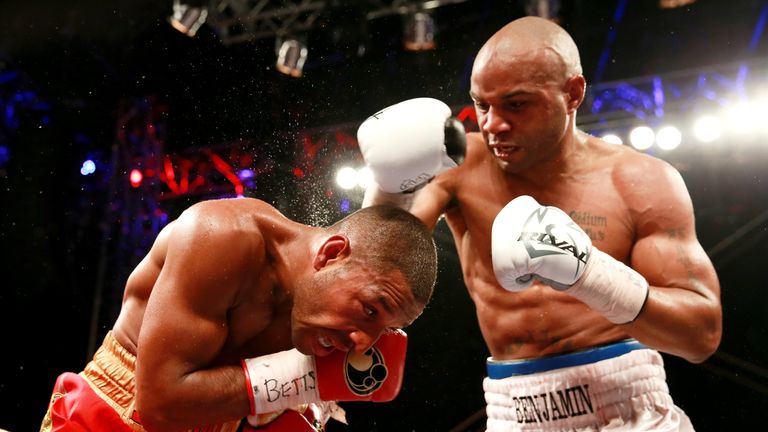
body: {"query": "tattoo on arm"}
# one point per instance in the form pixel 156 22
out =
pixel 687 263
pixel 675 232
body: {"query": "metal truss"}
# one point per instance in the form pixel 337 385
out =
pixel 239 21
pixel 654 98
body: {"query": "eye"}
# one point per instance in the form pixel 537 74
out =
pixel 482 107
pixel 369 311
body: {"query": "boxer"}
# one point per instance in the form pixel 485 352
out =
pixel 593 268
pixel 238 312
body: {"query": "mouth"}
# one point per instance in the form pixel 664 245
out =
pixel 324 342
pixel 503 152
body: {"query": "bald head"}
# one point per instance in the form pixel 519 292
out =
pixel 535 40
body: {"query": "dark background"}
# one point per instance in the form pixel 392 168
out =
pixel 72 71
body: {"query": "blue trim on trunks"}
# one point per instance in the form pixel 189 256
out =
pixel 507 368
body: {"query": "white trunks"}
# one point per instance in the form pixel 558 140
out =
pixel 616 387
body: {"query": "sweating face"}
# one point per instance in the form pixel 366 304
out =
pixel 520 84
pixel 349 308
pixel 521 109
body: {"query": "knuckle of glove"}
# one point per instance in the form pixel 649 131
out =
pixel 539 240
pixel 404 144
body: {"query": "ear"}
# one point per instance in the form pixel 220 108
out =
pixel 333 248
pixel 576 88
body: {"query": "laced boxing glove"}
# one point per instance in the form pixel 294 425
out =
pixel 530 241
pixel 288 421
pixel 289 378
pixel 408 143
pixel 305 418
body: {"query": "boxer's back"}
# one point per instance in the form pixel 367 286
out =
pixel 248 224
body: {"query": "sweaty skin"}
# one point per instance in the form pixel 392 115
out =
pixel 232 279
pixel 527 86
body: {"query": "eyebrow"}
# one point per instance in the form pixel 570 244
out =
pixel 386 305
pixel 509 95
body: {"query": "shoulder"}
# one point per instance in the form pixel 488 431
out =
pixel 652 188
pixel 475 142
pixel 641 173
pixel 236 222
pixel 477 151
pixel 228 207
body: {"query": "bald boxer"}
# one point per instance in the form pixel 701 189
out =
pixel 581 256
pixel 238 312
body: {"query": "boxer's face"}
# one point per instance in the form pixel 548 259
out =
pixel 520 110
pixel 348 307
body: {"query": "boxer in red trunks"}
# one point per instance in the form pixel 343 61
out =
pixel 238 312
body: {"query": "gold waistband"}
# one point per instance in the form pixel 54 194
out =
pixel 111 374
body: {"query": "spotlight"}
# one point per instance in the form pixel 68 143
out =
pixel 187 19
pixel 668 138
pixel 89 167
pixel 136 177
pixel 419 32
pixel 346 177
pixel 547 9
pixel 707 128
pixel 671 4
pixel 612 138
pixel 291 57
pixel 642 137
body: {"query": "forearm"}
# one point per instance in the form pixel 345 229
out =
pixel 205 397
pixel 680 322
pixel 375 196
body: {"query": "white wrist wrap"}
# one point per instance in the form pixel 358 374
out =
pixel 281 380
pixel 611 288
pixel 374 195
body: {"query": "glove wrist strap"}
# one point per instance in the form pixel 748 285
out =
pixel 611 288
pixel 282 380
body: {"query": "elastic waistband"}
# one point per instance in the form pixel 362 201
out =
pixel 507 368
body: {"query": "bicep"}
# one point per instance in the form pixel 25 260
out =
pixel 671 259
pixel 185 326
pixel 667 251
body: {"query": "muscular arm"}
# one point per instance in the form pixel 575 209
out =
pixel 682 315
pixel 185 328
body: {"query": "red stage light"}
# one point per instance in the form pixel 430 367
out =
pixel 136 177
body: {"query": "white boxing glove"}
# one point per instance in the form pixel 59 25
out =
pixel 530 241
pixel 408 143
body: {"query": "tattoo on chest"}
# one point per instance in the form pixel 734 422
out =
pixel 592 224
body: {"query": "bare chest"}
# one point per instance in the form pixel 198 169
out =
pixel 522 324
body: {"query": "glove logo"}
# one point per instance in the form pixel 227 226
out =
pixel 365 372
pixel 547 242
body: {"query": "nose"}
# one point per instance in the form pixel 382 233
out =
pixel 362 341
pixel 495 123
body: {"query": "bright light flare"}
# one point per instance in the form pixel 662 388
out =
pixel 346 177
pixel 642 137
pixel 613 139
pixel 707 128
pixel 668 138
